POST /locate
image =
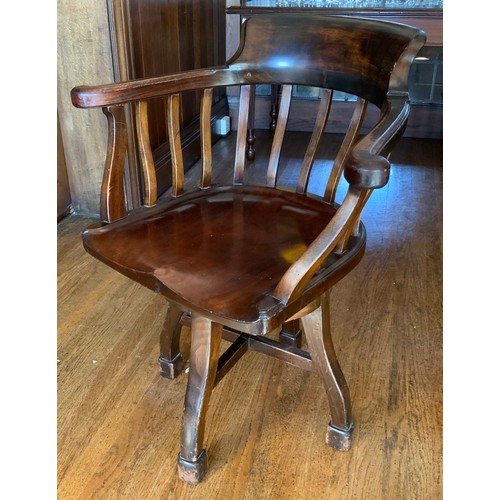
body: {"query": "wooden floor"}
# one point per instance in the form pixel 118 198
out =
pixel 119 421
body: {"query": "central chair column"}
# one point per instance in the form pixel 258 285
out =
pixel 205 344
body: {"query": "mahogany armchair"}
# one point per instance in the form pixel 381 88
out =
pixel 241 261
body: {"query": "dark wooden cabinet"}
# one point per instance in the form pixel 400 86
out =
pixel 159 37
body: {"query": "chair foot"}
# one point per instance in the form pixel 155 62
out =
pixel 205 346
pixel 291 334
pixel 171 368
pixel 339 439
pixel 192 472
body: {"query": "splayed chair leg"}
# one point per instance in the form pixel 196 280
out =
pixel 316 327
pixel 205 344
pixel 171 360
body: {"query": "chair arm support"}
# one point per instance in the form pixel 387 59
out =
pixel 298 274
pixel 366 167
pixel 113 199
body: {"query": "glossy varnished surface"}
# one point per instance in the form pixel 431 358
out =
pixel 349 54
pixel 429 20
pixel 119 420
pixel 251 256
pixel 222 249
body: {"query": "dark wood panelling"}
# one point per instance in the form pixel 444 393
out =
pixel 429 20
pixel 162 37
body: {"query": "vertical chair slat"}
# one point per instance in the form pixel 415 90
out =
pixel 239 161
pixel 348 142
pixel 251 126
pixel 206 138
pixel 145 153
pixel 312 148
pixel 279 133
pixel 174 137
pixel 113 204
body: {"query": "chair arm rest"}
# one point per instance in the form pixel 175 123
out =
pixel 145 88
pixel 366 170
pixel 366 167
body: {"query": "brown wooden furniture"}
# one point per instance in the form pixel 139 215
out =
pixel 428 19
pixel 240 261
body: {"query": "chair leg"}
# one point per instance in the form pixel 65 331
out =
pixel 316 326
pixel 171 360
pixel 205 344
pixel 291 334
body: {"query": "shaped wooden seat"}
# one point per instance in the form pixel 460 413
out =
pixel 241 261
pixel 220 251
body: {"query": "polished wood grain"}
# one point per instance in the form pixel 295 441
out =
pixel 157 38
pixel 119 421
pixel 241 260
pixel 262 231
pixel 296 277
pixel 317 134
pixel 316 327
pixel 113 200
pixel 429 20
pixel 425 121
pixel 174 138
pixel 205 345
pixel 387 43
pixel 240 156
pixel 206 138
pixel 354 226
pixel 168 37
pixel 146 154
pixel 171 360
pixel 350 138
pixel 279 133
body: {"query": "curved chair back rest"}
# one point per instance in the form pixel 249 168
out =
pixel 369 59
pixel 351 55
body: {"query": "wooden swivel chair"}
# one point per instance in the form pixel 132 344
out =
pixel 241 261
